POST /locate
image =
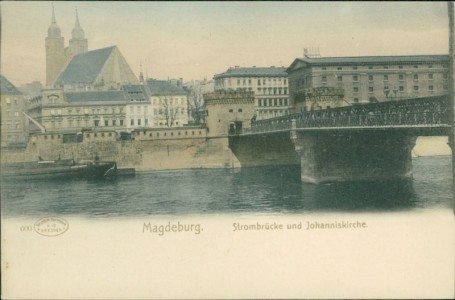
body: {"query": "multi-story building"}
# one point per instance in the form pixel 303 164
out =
pixel 371 78
pixel 270 87
pixel 138 110
pixel 169 103
pixel 61 111
pixel 13 124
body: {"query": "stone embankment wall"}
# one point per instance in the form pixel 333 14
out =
pixel 164 149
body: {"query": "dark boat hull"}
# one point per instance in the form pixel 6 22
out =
pixel 60 170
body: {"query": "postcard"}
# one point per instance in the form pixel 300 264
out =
pixel 227 150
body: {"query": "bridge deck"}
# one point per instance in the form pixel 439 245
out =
pixel 423 113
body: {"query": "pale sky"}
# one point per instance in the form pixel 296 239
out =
pixel 194 40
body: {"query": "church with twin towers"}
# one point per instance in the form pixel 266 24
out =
pixel 57 55
pixel 75 68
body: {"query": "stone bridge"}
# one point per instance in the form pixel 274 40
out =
pixel 354 143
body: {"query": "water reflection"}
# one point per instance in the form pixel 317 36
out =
pixel 226 191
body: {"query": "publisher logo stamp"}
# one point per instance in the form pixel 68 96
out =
pixel 51 226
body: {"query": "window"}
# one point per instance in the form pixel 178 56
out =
pixel 354 68
pixel 370 89
pixel 238 81
pixel 430 66
pixel 121 122
pixel 356 89
pixel 416 77
pixel 274 102
pixel 114 122
pixel 370 67
pixel 97 122
pixel 415 67
pixel 240 110
pixel 401 77
pixel 106 122
pixel 259 81
pixel 231 110
pixel 340 78
pixel 132 122
pixel 284 81
pixel 400 67
pixel 339 68
pixel 444 76
pixel 430 76
pixel 139 122
pixel 430 88
pixel 370 77
pixel 356 100
pixel 386 67
pixel 401 88
pixel 386 77
pixel 416 88
pixel 324 68
pixel 324 79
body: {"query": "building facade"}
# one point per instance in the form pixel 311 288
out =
pixel 61 111
pixel 372 79
pixel 269 84
pixel 168 103
pixel 14 130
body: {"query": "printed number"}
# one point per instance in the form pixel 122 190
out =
pixel 26 228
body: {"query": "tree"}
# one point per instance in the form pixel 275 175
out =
pixel 196 104
pixel 167 110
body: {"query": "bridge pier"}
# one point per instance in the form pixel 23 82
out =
pixel 363 155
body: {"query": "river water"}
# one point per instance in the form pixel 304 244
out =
pixel 264 190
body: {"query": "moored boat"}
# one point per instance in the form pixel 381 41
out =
pixel 60 169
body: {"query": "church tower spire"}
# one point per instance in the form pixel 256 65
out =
pixel 55 50
pixel 78 43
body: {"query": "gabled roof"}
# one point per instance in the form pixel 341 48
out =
pixel 6 87
pixel 164 87
pixel 135 92
pixel 85 67
pixel 96 97
pixel 369 60
pixel 253 72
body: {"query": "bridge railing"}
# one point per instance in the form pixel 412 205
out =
pixel 429 111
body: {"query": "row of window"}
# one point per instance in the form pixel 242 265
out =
pixel 271 113
pixel 273 91
pixel 249 81
pixel 170 101
pixel 157 134
pixel 381 67
pixel 86 111
pixel 400 88
pixel 272 102
pixel 259 81
pixel 355 78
